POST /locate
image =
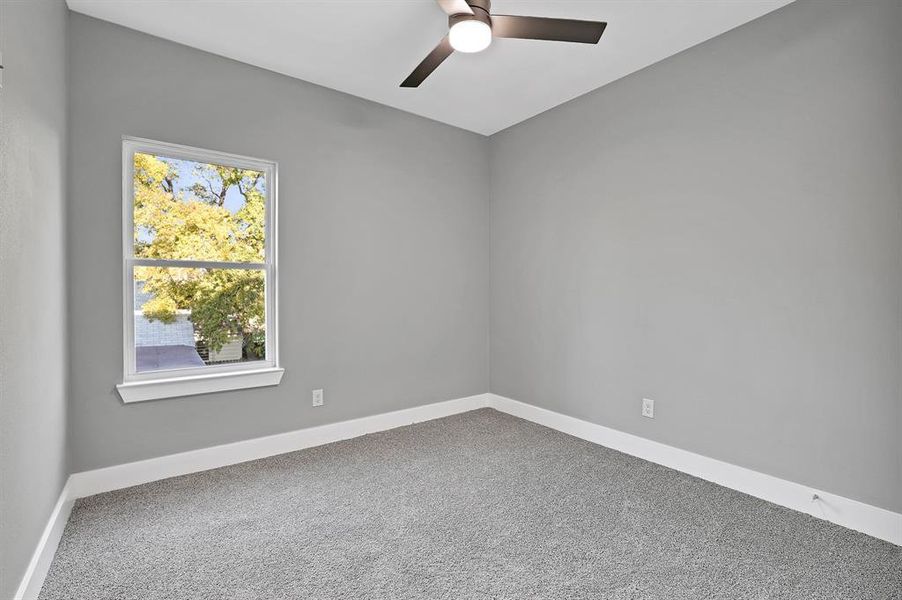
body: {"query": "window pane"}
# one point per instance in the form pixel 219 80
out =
pixel 188 318
pixel 192 210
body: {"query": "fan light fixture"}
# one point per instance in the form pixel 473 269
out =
pixel 470 36
pixel 472 26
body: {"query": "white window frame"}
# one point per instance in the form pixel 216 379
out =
pixel 171 383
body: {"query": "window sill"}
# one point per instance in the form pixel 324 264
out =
pixel 156 389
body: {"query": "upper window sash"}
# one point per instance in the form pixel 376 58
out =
pixel 132 146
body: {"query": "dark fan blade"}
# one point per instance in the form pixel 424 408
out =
pixel 429 64
pixel 540 28
pixel 455 7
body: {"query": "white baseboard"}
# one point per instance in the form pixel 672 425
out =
pixel 88 483
pixel 30 585
pixel 874 521
pixel 852 514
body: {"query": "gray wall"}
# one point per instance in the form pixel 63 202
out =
pixel 721 232
pixel 383 248
pixel 32 277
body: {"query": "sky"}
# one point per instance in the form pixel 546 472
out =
pixel 234 200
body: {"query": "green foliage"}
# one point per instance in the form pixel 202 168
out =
pixel 255 345
pixel 193 223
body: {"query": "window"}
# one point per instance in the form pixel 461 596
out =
pixel 199 271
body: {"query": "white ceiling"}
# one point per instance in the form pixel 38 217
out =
pixel 367 47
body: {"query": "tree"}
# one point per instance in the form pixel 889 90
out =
pixel 192 222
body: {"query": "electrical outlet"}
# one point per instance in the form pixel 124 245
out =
pixel 317 397
pixel 648 408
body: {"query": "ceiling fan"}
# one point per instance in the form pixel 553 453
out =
pixel 472 26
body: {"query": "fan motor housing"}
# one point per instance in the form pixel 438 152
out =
pixel 481 10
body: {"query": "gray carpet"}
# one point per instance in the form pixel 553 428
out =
pixel 479 505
